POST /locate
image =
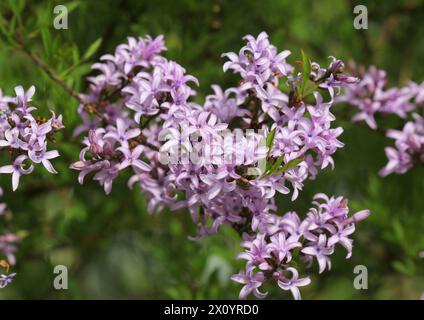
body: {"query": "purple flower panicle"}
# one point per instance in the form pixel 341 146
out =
pixel 372 98
pixel 280 243
pixel 223 161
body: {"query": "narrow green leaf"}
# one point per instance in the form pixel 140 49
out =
pixel 5 33
pixel 92 49
pixel 310 88
pixel 275 165
pixel 79 71
pixel 47 41
pixel 398 231
pixel 289 165
pixel 306 70
pixel 12 26
pixel 2 25
pixel 75 54
pixel 17 6
pixel 277 168
pixel 270 140
pixel 71 6
pixel 406 267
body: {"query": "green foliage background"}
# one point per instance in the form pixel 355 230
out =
pixel 112 247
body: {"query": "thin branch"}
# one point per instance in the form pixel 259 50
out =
pixel 52 75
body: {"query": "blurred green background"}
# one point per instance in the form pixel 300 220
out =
pixel 112 247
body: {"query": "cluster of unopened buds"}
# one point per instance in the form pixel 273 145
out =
pixel 372 98
pixel 224 160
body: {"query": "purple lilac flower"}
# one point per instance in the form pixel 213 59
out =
pixel 252 282
pixel 226 105
pixel 321 251
pixel 271 99
pixel 293 283
pixel 17 169
pixel 6 279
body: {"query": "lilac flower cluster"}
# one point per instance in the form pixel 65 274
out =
pixel 139 115
pixel 258 62
pixel 25 137
pixel 301 130
pixel 136 86
pixel 270 251
pixel 371 97
pixel 409 147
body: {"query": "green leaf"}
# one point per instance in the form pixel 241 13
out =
pixel 277 168
pixel 310 88
pixel 398 231
pixel 75 54
pixel 274 166
pixel 306 70
pixel 270 140
pixel 290 165
pixel 47 41
pixel 17 6
pixel 3 26
pixel 92 49
pixel 12 26
pixel 404 266
pixel 80 70
pixel 4 32
pixel 71 6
